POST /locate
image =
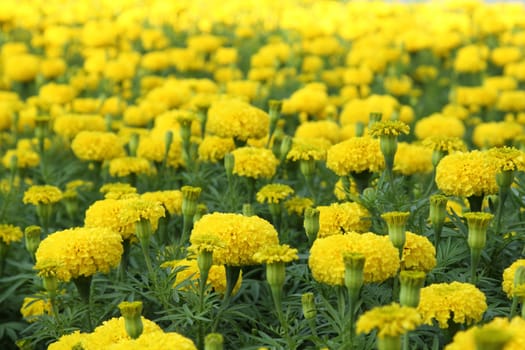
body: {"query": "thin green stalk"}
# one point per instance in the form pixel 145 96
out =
pixel 405 341
pixel 514 307
pixel 187 223
pixel 124 261
pixel 503 193
pixel 475 257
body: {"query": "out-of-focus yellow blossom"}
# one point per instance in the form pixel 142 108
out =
pixel 495 134
pixel 80 252
pixel 355 155
pixel 116 190
pixel 398 86
pixel 124 166
pixel 204 43
pixel 358 76
pixel 273 193
pixel 467 174
pixel 359 110
pixel 324 129
pixel 412 159
pixel 478 96
pixel 341 193
pixel 502 56
pixel 462 303
pixel 242 235
pixel 456 111
pixel 226 55
pixel 21 68
pixel 471 59
pixel 237 119
pixel 326 257
pixel 298 205
pixel 254 162
pixel 511 101
pixel 52 67
pixel 53 93
pixel 439 125
pixel 310 99
pixel 97 146
pixel 69 125
pixel 243 88
pixel 508 277
pixel 390 320
pixel 10 233
pixel 340 218
pixel 213 148
pixel 308 149
pixel 154 148
pixel 42 194
pixel 500 83
pixel 34 307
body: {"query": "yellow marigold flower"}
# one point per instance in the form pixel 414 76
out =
pixel 25 158
pixel 308 149
pixel 242 235
pixel 502 56
pixel 439 125
pixel 456 301
pixel 237 119
pixel 341 193
pixel 355 155
pixel 189 270
pixel 254 162
pixel 21 67
pixel 390 320
pixel 80 251
pixel 471 59
pixel 310 99
pixel 138 208
pixel 76 185
pixel 107 213
pixel 52 93
pixel 495 134
pixel 97 146
pixel 69 125
pixel 243 88
pixel 157 341
pixel 124 166
pixel 34 307
pixel 154 147
pixel 279 253
pixel 10 233
pixel 117 190
pixel 170 199
pixel 445 144
pixel 44 194
pixel 398 86
pixel 412 159
pixel 321 129
pixel 508 277
pixel 388 128
pixel 474 96
pixel 273 193
pixel 511 101
pixel 508 331
pixel 358 110
pixel 213 148
pixel 326 257
pixel 508 158
pixel 419 253
pixel 340 218
pixel 467 174
pixel 298 205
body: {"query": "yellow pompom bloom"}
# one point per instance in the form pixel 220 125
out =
pixel 69 125
pixel 311 99
pixel 21 67
pixel 471 59
pixel 340 218
pixel 495 134
pixel 44 194
pixel 323 129
pixel 153 148
pixel 242 235
pixel 398 86
pixel 412 159
pixel 273 193
pixel 53 93
pixel 97 146
pixel 33 307
pixel 390 320
pixel 508 277
pixel 298 205
pixel 170 199
pixel 445 144
pixel 107 213
pixel 10 233
pixel 80 251
pixel 156 341
pixel 308 149
pixel 254 162
pixel 358 110
pixel 243 88
pixel 439 125
pixel 53 67
pixel 502 56
pixel 355 155
pixel 136 209
pixel 326 257
pixel 271 254
pixel 213 148
pixel 508 331
pixel 189 270
pixel 237 119
pixel 25 158
pixel 467 174
pixel 124 166
pixel 419 253
pixel 117 190
pixel 474 96
pixel 462 303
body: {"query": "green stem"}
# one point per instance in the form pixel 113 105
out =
pixel 475 256
pixel 503 193
pixel 124 261
pixel 514 307
pixel 83 284
pixel 405 341
pixel 341 305
pixel 187 223
pixel 145 251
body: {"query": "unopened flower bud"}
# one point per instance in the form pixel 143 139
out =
pixel 132 311
pixel 411 284
pixel 190 196
pixel 213 341
pixel 308 304
pixel 311 223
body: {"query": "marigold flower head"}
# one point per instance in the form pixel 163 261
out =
pixel 69 125
pixel 298 205
pixel 320 129
pixel 439 125
pixel 242 235
pixel 496 134
pixel 326 257
pixel 390 320
pixel 10 233
pixel 237 119
pixel 107 213
pixel 34 307
pixel 80 251
pixel 125 166
pixel 355 155
pixel 467 174
pixel 310 99
pixel 509 274
pixel 214 148
pixel 456 301
pixel 156 341
pixel 254 162
pixel 508 332
pixel 138 208
pixel 412 159
pixel 45 194
pixel 274 193
pixel 25 158
pixel 97 146
pixel 117 190
pixel 445 144
pixel 206 242
pixel 508 158
pixel 339 218
pixel 279 253
pixel 418 253
pixel 170 199
pixel 388 128
pixel 308 149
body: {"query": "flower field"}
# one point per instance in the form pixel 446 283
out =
pixel 262 174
